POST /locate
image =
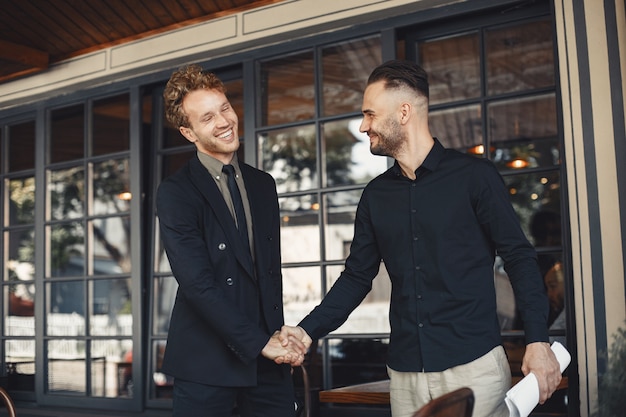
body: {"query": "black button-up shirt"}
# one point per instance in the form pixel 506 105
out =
pixel 438 236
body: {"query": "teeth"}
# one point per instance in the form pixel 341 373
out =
pixel 225 135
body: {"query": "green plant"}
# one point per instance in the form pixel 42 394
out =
pixel 612 392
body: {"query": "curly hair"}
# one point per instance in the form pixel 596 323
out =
pixel 182 82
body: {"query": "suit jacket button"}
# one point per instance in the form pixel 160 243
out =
pixel 229 281
pixel 275 307
pixel 221 246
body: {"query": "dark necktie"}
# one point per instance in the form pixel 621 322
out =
pixel 235 195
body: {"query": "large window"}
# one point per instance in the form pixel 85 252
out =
pixel 88 319
pixel 493 95
pixel 17 144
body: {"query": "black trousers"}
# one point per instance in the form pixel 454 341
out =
pixel 273 396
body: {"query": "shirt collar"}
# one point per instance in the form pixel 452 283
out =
pixel 430 162
pixel 214 166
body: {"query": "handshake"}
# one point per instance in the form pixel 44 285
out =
pixel 289 345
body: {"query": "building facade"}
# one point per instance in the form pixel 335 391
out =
pixel 538 87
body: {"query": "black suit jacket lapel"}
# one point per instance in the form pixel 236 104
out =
pixel 205 184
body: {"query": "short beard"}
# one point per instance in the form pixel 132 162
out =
pixel 390 139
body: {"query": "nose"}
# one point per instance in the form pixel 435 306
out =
pixel 364 127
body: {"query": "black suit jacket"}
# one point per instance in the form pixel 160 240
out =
pixel 227 306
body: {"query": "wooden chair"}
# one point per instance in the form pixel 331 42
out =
pixel 459 403
pixel 8 402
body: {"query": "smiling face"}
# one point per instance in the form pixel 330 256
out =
pixel 213 124
pixel 381 120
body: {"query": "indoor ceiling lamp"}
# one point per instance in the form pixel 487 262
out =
pixel 125 196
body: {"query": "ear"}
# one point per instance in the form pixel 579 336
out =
pixel 405 112
pixel 188 134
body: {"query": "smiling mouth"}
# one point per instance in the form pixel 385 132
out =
pixel 226 135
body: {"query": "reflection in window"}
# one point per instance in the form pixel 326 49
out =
pixel 111 368
pixel 163 301
pixel 162 383
pixel 522 118
pixel 300 227
pixel 21 201
pixel 520 57
pixel 110 307
pixel 290 156
pixel 339 222
pixel 348 157
pixel 458 128
pixel 287 89
pixel 111 186
pixel 66 191
pixel 372 315
pixel 19 358
pixel 453 67
pixel 67 132
pixel 111 246
pixel 21 145
pixel 345 69
pixel 111 125
pixel 67 249
pixel 66 366
pixel 66 309
pixel 301 292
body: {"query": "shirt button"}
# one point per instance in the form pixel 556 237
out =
pixel 221 246
pixel 417 268
pixel 420 325
pixel 413 211
pixel 415 238
pixel 229 281
pixel 419 296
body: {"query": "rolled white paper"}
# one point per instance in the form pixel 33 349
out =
pixel 523 397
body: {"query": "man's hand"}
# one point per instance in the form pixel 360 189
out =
pixel 296 339
pixel 540 360
pixel 281 352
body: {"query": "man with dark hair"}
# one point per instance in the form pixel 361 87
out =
pixel 219 221
pixel 437 219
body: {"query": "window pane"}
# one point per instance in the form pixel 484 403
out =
pixel 21 147
pixel 301 292
pixel 339 225
pixel 234 93
pixel 522 119
pixel 66 188
pixel 348 157
pixel 161 263
pixel 111 125
pixel 299 229
pixel 290 156
pixel 173 162
pixel 67 249
pixel 345 69
pixel 111 246
pixel 531 193
pixel 111 186
pixel 520 57
pixel 66 134
pixel 356 361
pixel 20 362
pixel 162 383
pixel 20 264
pixel 164 294
pixel 372 315
pixel 110 305
pixel 20 317
pixel 21 201
pixel 172 137
pixel 66 366
pixel 458 128
pixel 110 368
pixel 65 309
pixel 453 67
pixel 287 89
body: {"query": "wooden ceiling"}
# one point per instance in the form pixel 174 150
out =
pixel 37 33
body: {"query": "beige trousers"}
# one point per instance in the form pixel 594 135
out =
pixel 488 376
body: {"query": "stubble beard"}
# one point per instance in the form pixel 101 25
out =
pixel 390 139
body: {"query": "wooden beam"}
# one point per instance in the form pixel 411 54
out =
pixel 23 54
